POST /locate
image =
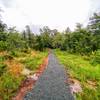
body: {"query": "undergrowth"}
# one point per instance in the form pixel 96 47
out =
pixel 11 65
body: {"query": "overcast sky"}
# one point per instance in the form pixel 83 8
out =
pixel 53 13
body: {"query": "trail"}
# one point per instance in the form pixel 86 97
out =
pixel 51 84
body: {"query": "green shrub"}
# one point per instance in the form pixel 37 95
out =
pixel 25 50
pixel 17 53
pixel 8 86
pixel 2 58
pixel 3 68
pixel 14 53
pixel 92 94
pixel 32 63
pixel 3 45
pixel 8 57
pixel 96 58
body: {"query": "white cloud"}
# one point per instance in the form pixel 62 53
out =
pixel 54 13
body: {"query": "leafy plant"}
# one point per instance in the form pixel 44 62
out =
pixel 9 86
pixel 96 58
pixel 3 68
pixel 32 63
pixel 2 58
pixel 3 45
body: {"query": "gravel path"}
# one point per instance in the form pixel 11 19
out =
pixel 51 84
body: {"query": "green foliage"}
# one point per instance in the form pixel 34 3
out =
pixel 9 85
pixel 2 58
pixel 2 26
pixel 3 36
pixel 15 53
pixel 14 41
pixel 96 58
pixel 57 40
pixel 3 45
pixel 95 23
pixel 39 45
pixel 33 63
pixel 46 37
pixel 3 68
pixel 83 40
pixel 90 94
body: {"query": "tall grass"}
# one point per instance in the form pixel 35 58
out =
pixel 88 74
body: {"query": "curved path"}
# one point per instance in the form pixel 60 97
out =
pixel 51 84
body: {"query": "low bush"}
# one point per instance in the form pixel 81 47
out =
pixel 9 85
pixel 2 58
pixel 8 57
pixel 3 45
pixel 3 68
pixel 17 53
pixel 95 59
pixel 32 63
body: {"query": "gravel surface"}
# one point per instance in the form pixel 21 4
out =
pixel 51 84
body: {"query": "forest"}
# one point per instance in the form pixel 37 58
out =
pixel 78 51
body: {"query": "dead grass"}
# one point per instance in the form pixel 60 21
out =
pixel 3 53
pixel 91 84
pixel 33 53
pixel 14 67
pixel 73 81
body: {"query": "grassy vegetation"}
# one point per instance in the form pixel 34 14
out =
pixel 32 63
pixel 87 73
pixel 11 66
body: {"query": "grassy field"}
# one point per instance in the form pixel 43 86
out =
pixel 11 66
pixel 81 68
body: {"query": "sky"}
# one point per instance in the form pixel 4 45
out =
pixel 57 14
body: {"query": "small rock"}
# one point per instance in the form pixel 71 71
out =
pixel 34 77
pixel 26 72
pixel 75 88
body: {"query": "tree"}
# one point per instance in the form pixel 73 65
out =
pixel 94 24
pixel 3 36
pixel 46 37
pixel 57 40
pixel 94 28
pixel 29 36
pixel 67 31
pixel 78 26
pixel 24 35
pixel 39 45
pixel 3 26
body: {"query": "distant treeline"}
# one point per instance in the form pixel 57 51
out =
pixel 81 40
